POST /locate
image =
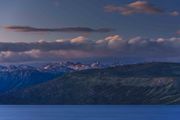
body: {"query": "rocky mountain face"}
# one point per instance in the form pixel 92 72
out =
pixel 15 77
pixel 149 83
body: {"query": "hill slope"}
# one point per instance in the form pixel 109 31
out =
pixel 150 83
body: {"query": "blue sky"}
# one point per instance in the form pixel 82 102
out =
pixel 67 13
pixel 148 19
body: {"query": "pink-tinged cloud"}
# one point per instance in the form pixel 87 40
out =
pixel 137 7
pixel 80 39
pixel 111 42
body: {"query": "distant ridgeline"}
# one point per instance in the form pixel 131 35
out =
pixel 14 77
pixel 148 83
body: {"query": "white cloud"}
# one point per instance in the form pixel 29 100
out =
pixel 60 40
pixel 160 40
pixel 137 40
pixel 112 41
pixel 80 39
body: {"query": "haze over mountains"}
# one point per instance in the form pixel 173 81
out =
pixel 148 83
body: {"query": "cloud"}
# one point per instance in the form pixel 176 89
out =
pixel 137 7
pixel 111 38
pixel 80 39
pixel 137 40
pixel 160 40
pixel 81 47
pixel 42 45
pixel 142 47
pixel 174 13
pixel 65 29
pixel 113 41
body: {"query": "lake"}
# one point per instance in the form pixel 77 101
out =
pixel 91 112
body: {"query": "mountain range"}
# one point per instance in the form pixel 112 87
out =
pixel 14 77
pixel 147 83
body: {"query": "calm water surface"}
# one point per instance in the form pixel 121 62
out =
pixel 89 112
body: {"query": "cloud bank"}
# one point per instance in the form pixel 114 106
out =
pixel 82 47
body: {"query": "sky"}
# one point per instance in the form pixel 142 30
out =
pixel 86 30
